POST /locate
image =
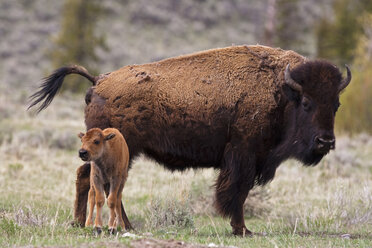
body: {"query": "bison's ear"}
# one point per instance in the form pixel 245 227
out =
pixel 80 135
pixel 291 89
pixel 110 136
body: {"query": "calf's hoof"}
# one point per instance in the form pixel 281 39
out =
pixel 112 231
pixel 97 230
pixel 242 231
pixel 88 224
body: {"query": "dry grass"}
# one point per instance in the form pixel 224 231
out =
pixel 300 207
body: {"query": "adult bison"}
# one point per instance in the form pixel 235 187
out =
pixel 239 109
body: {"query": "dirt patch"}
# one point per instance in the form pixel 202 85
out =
pixel 140 243
pixel 154 243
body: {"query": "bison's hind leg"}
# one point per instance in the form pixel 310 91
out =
pixel 81 198
pixel 119 217
pixel 127 224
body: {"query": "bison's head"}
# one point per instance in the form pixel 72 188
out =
pixel 313 88
pixel 93 144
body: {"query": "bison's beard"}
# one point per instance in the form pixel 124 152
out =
pixel 307 154
pixel 312 158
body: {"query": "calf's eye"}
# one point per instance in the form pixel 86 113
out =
pixel 96 142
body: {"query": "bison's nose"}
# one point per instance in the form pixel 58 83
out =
pixel 83 154
pixel 325 142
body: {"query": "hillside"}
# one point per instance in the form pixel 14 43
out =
pixel 138 31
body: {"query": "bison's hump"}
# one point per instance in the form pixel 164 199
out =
pixel 203 83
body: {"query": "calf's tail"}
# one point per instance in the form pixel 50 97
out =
pixel 51 85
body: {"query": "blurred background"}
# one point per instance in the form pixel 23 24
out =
pixel 38 36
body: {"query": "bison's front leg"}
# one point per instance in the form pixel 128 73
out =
pixel 81 198
pixel 235 180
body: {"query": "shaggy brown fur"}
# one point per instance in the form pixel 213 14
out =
pixel 108 154
pixel 196 86
pixel 232 109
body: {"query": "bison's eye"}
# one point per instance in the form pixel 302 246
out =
pixel 96 142
pixel 306 104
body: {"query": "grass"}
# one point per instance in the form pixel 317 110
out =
pixel 326 206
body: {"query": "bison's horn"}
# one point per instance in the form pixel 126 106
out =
pixel 345 81
pixel 290 82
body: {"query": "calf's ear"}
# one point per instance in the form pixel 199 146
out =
pixel 80 135
pixel 110 136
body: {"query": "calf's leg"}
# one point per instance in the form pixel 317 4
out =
pixel 114 203
pixel 97 183
pixel 100 200
pixel 127 224
pixel 111 202
pixel 119 217
pixel 92 203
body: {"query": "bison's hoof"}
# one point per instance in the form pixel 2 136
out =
pixel 112 231
pixel 243 231
pixel 97 230
pixel 76 223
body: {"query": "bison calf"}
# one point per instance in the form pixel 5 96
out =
pixel 108 154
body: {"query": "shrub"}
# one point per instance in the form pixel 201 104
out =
pixel 168 213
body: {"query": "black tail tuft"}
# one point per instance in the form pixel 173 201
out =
pixel 51 85
pixel 49 88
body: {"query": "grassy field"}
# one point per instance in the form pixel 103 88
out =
pixel 326 206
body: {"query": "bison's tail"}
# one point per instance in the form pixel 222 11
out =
pixel 51 84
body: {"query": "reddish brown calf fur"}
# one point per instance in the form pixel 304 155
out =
pixel 108 154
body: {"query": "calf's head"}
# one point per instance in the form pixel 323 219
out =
pixel 313 88
pixel 93 144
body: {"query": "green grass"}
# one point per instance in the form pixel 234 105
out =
pixel 57 231
pixel 326 206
